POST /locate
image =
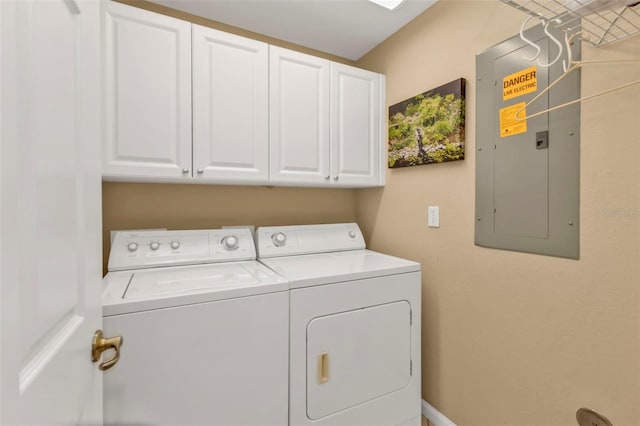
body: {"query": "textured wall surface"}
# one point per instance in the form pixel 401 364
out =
pixel 513 339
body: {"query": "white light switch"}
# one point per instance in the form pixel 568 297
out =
pixel 434 216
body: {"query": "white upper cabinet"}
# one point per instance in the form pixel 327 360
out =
pixel 299 131
pixel 147 130
pixel 357 119
pixel 230 108
pixel 326 122
pixel 187 103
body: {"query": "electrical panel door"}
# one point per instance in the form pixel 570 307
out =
pixel 528 154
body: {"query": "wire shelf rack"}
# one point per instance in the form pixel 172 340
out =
pixel 598 22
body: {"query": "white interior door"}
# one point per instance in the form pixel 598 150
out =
pixel 50 211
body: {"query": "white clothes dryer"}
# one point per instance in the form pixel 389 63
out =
pixel 205 330
pixel 354 334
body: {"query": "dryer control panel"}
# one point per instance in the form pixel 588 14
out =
pixel 146 249
pixel 275 241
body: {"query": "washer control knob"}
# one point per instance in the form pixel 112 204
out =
pixel 154 245
pixel 279 239
pixel 175 245
pixel 352 234
pixel 230 242
pixel 132 247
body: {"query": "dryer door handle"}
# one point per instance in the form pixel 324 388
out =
pixel 323 368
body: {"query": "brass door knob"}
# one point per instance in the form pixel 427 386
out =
pixel 101 344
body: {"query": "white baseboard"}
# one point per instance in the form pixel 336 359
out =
pixel 435 416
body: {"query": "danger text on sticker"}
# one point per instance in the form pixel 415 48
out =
pixel 520 83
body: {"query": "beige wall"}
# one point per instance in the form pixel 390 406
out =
pixel 510 338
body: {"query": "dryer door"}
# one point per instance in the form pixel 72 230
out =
pixel 357 356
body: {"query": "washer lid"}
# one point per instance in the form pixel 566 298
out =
pixel 326 268
pixel 157 283
pixel 134 291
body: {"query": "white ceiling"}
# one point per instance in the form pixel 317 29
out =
pixel 346 28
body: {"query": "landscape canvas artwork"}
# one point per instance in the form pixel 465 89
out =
pixel 428 128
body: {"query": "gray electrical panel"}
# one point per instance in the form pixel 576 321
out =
pixel 527 171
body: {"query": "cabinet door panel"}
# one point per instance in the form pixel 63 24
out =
pixel 147 94
pixel 230 107
pixel 357 116
pixel 299 118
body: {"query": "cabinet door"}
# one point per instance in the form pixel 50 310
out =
pixel 299 118
pixel 147 94
pixel 357 119
pixel 230 108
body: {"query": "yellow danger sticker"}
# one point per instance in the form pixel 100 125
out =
pixel 520 83
pixel 509 124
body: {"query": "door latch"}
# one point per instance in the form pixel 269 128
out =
pixel 542 140
pixel 101 344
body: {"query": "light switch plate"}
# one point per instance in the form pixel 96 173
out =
pixel 434 217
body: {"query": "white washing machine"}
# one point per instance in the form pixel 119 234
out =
pixel 205 329
pixel 354 333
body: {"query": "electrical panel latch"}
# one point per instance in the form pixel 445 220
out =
pixel 542 140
